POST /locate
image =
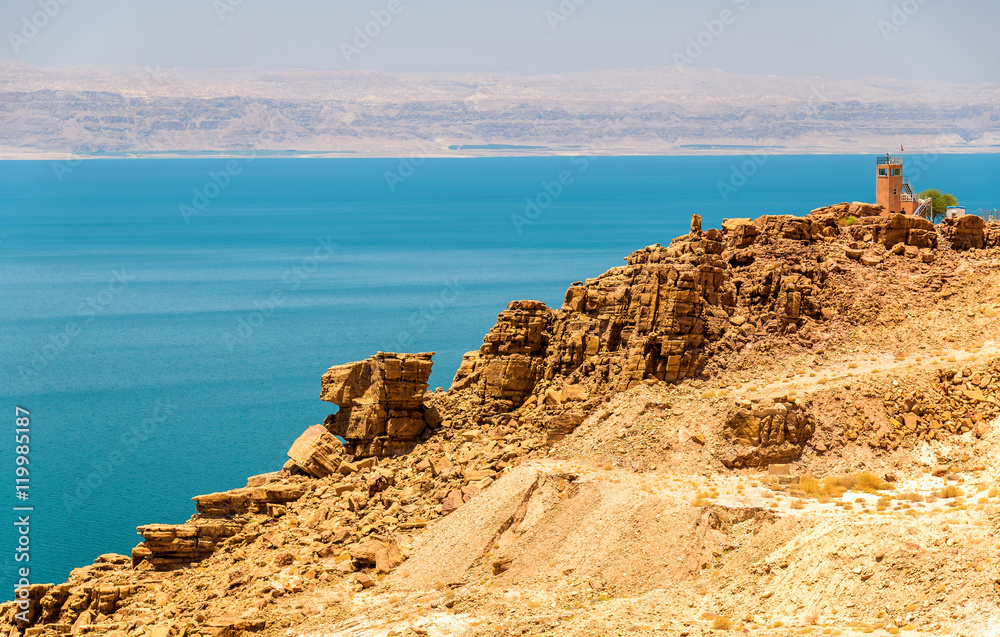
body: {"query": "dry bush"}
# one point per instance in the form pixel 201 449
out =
pixel 910 497
pixel 950 491
pixel 870 482
pixel 797 504
pixel 810 485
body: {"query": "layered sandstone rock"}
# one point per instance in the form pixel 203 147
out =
pixel 992 234
pixel 654 318
pixel 317 452
pixel 255 498
pixel 512 358
pixel 842 211
pixel 767 432
pixel 381 402
pixel 895 229
pixel 169 546
pixel 965 233
pixel 76 606
pixel 220 517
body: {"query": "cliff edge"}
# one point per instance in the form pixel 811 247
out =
pixel 784 424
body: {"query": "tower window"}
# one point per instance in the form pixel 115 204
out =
pixel 896 172
pixel 883 172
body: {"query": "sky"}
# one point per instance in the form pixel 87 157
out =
pixel 908 39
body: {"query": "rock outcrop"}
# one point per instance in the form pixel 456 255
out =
pixel 381 402
pixel 992 234
pixel 895 229
pixel 843 211
pixel 965 233
pixel 169 546
pixel 657 317
pixel 767 432
pixel 513 356
pixel 727 307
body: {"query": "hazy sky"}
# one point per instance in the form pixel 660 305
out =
pixel 928 39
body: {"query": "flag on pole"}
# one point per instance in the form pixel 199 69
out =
pixel 901 149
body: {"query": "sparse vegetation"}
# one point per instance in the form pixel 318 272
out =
pixel 941 202
pixel 950 491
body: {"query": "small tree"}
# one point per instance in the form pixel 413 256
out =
pixel 942 201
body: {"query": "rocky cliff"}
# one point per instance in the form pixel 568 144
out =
pixel 815 340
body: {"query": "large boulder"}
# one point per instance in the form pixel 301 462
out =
pixel 767 432
pixel 895 229
pixel 317 452
pixel 992 234
pixel 381 402
pixel 965 233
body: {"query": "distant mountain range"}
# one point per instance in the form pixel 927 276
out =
pixel 155 111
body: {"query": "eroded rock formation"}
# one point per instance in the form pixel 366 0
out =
pixel 767 432
pixel 657 317
pixel 965 233
pixel 346 508
pixel 381 402
pixel 992 234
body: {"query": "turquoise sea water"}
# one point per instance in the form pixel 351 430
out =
pixel 166 351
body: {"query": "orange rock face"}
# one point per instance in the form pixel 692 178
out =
pixel 381 401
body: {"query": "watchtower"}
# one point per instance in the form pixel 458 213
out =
pixel 893 191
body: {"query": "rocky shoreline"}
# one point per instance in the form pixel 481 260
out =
pixel 361 492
